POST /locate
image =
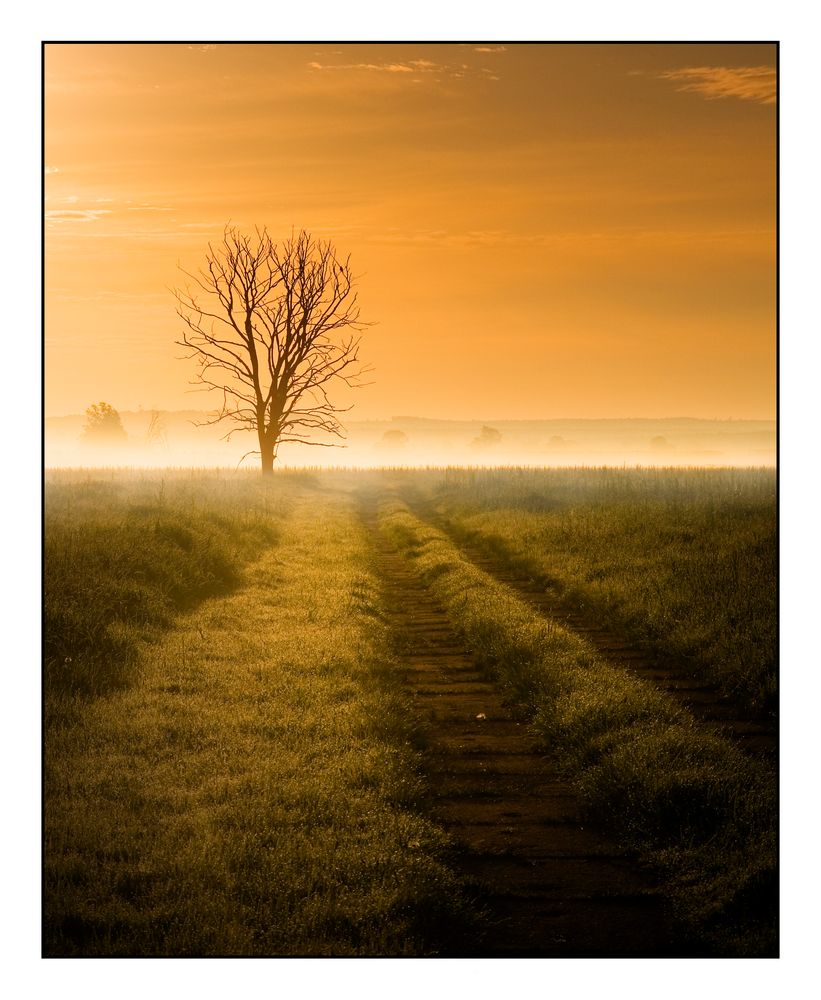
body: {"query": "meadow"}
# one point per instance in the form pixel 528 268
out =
pixel 692 804
pixel 683 560
pixel 233 763
pixel 124 552
pixel 253 789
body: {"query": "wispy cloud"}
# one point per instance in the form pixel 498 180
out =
pixel 52 170
pixel 202 48
pixel 76 214
pixel 749 83
pixel 411 69
pixel 490 48
pixel 72 209
pixel 371 67
pixel 614 237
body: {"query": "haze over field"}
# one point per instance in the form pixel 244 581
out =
pixel 540 233
pixel 172 439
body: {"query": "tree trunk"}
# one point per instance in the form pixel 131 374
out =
pixel 267 452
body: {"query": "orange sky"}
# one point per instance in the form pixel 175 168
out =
pixel 541 230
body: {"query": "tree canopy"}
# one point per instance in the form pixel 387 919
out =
pixel 103 424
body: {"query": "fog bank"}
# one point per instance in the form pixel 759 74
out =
pixel 173 439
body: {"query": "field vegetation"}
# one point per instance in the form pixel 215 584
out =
pixel 683 560
pixel 233 767
pixel 253 789
pixel 694 806
pixel 125 552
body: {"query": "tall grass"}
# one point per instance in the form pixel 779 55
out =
pixel 691 803
pixel 124 554
pixel 682 560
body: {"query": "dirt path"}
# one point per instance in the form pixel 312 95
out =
pixel 553 885
pixel 705 701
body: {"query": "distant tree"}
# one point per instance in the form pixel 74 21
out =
pixel 488 436
pixel 393 439
pixel 156 432
pixel 273 327
pixel 103 425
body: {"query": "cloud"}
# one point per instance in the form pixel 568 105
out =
pixel 76 215
pixel 749 83
pixel 202 48
pixel 371 67
pixel 52 170
pixel 411 69
pixel 490 48
pixel 613 238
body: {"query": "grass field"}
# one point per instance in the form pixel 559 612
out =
pixel 254 789
pixel 124 553
pixel 233 765
pixel 692 804
pixel 683 560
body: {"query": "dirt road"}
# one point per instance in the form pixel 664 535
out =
pixel 703 700
pixel 552 884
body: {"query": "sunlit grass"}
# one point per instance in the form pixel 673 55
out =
pixel 684 560
pixel 125 553
pixel 256 791
pixel 693 804
pixel 244 779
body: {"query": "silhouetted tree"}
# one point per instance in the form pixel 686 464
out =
pixel 273 327
pixel 103 425
pixel 393 439
pixel 488 436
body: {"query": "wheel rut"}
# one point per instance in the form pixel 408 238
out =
pixel 704 701
pixel 552 884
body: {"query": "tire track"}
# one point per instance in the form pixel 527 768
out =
pixel 703 700
pixel 553 885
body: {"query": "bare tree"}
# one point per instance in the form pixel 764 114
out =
pixel 273 327
pixel 156 432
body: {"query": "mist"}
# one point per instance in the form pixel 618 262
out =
pixel 157 439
